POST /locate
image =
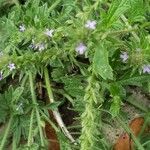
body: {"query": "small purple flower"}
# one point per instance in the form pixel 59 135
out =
pixel 146 69
pixel 81 48
pixel 1 75
pixel 90 24
pixel 41 47
pixel 22 28
pixel 32 46
pixel 49 32
pixel 124 56
pixel 11 66
pixel 37 46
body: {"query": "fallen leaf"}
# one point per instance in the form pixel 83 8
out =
pixel 51 135
pixel 124 142
pixel 136 125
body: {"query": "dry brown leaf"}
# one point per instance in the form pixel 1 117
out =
pixel 124 142
pixel 51 135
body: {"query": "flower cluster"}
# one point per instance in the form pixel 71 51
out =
pixel 81 47
pixel 41 46
pixel 37 46
pixel 124 57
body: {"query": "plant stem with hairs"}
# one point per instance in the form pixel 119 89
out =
pixel 30 140
pixel 36 108
pixel 6 133
pixel 56 112
pixel 89 118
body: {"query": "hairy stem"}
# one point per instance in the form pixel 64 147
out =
pixel 49 121
pixel 130 27
pixel 6 133
pixel 106 34
pixel 90 118
pixel 36 108
pixel 14 145
pixel 54 5
pixel 56 112
pixel 30 140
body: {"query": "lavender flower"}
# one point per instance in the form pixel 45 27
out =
pixel 38 46
pixel 32 46
pixel 22 28
pixel 49 32
pixel 146 69
pixel 11 66
pixel 90 24
pixel 81 48
pixel 41 47
pixel 124 56
pixel 1 75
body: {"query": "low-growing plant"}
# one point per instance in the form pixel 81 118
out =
pixel 87 53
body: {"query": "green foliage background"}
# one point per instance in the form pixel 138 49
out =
pixel 93 83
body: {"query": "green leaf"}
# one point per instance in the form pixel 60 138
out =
pixel 74 85
pixel 136 11
pixel 17 93
pixel 117 8
pixel 101 63
pixel 115 106
pixel 133 100
pixel 135 80
pixel 117 89
pixel 53 106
